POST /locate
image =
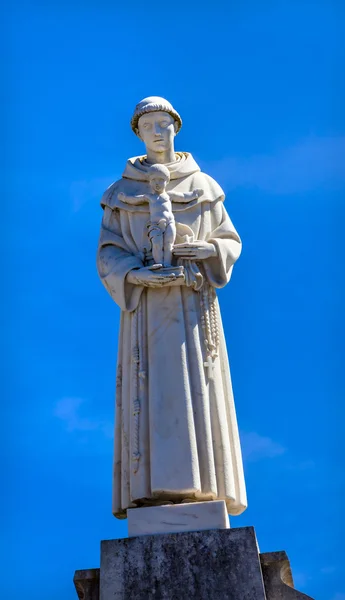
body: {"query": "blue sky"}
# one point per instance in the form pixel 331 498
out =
pixel 260 88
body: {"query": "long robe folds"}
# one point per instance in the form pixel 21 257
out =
pixel 176 434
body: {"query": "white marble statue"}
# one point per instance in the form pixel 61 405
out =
pixel 161 227
pixel 176 434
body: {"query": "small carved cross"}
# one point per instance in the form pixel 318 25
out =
pixel 210 366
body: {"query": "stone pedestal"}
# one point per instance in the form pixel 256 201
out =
pixel 203 565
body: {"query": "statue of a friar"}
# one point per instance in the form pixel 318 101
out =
pixel 166 245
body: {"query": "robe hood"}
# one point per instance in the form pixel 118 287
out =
pixel 137 168
pixel 185 176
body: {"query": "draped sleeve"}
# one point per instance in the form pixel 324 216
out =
pixel 224 236
pixel 115 260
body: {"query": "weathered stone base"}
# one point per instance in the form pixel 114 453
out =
pixel 203 565
pixel 278 577
pixel 87 584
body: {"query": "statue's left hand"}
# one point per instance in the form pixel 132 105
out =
pixel 156 276
pixel 198 250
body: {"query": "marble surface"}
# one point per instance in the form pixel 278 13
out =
pixel 161 230
pixel 176 436
pixel 176 518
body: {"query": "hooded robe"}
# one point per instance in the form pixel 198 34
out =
pixel 176 433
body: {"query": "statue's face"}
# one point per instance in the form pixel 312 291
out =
pixel 158 183
pixel 157 131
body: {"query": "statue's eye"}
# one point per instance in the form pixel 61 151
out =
pixel 164 123
pixel 146 125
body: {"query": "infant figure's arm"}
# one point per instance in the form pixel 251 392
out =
pixel 134 200
pixel 187 197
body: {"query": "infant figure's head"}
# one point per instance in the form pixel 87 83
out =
pixel 159 176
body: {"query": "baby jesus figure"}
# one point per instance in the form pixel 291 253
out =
pixel 161 227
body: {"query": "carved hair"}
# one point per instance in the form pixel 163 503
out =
pixel 160 170
pixel 154 104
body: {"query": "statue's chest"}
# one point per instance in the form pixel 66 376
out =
pixel 135 227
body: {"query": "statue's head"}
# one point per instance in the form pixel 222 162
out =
pixel 158 176
pixel 156 123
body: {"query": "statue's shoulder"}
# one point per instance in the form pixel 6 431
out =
pixel 127 186
pixel 212 189
pixel 110 195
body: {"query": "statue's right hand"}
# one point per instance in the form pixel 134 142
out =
pixel 121 196
pixel 154 278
